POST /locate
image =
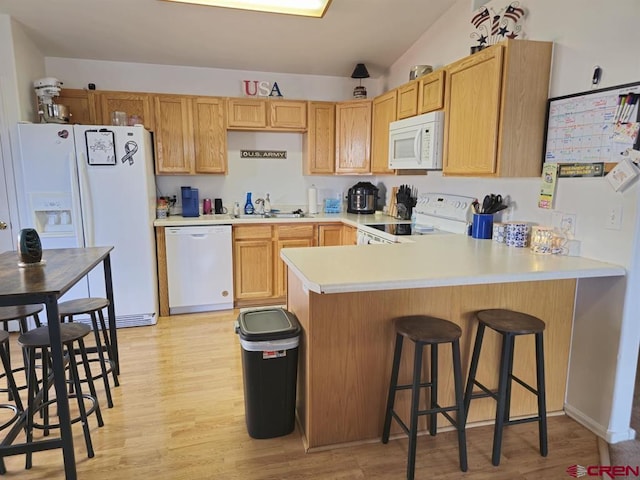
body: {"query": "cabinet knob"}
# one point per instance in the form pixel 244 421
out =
pixel 3 225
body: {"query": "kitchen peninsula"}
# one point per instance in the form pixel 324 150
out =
pixel 345 298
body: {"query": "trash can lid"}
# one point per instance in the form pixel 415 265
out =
pixel 267 324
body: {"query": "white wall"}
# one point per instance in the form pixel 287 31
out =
pixel 15 102
pixel 138 77
pixel 585 33
pixel 29 64
pixel 281 178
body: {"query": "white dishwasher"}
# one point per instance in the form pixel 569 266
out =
pixel 199 268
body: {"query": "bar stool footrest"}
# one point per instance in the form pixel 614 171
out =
pixel 53 401
pixel 522 420
pixel 16 414
pixel 409 386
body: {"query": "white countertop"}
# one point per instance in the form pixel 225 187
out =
pixel 226 219
pixel 432 261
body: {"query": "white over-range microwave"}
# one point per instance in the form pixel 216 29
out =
pixel 416 142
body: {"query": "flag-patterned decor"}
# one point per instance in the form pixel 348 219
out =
pixel 491 27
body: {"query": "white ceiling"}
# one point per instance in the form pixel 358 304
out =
pixel 374 32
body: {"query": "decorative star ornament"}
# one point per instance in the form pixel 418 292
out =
pixel 491 27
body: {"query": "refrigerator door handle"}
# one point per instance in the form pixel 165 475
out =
pixel 76 200
pixel 85 202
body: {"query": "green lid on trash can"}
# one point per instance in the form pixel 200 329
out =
pixel 267 324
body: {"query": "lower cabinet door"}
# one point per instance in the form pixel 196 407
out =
pixel 253 272
pixel 281 268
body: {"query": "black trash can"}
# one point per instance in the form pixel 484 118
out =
pixel 269 340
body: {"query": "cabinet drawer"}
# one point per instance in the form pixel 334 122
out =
pixel 295 231
pixel 251 231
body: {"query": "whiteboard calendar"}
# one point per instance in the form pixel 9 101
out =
pixel 594 126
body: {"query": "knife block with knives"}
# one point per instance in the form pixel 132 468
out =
pixel 406 198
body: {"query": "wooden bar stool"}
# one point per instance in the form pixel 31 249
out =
pixel 38 399
pixel 93 307
pixel 21 314
pixel 509 324
pixel 424 330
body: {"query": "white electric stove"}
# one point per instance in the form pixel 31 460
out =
pixel 435 213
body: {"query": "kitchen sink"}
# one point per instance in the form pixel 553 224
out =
pixel 287 215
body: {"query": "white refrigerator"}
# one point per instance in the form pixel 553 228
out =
pixel 93 185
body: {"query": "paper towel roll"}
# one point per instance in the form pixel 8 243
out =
pixel 312 200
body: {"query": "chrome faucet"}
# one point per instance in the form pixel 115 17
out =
pixel 259 203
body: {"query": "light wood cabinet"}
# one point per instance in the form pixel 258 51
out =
pixel 246 113
pixel 266 114
pixel 252 262
pixel 330 235
pixel 336 234
pixel 495 104
pixel 209 135
pixel 384 112
pixel 288 236
pixel 190 135
pixel 349 235
pixel 320 140
pixel 353 137
pixel 431 91
pixel 173 134
pixel 259 275
pixel 81 105
pixel 407 100
pixel 132 103
pixel 288 114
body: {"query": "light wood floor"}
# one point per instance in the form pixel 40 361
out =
pixel 179 414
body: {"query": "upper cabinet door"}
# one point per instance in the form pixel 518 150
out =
pixel 131 103
pixel 431 92
pixel 174 134
pixel 320 140
pixel 210 135
pixel 384 112
pixel 408 100
pixel 472 113
pixel 288 114
pixel 245 113
pixel 353 137
pixel 81 105
pixel 495 105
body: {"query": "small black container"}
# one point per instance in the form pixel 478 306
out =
pixel 29 246
pixel 269 340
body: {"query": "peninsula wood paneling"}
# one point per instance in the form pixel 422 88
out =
pixel 349 347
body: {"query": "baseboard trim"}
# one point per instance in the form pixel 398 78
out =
pixel 601 431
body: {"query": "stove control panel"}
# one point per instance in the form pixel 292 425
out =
pixel 454 207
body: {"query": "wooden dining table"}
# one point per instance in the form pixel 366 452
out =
pixel 44 284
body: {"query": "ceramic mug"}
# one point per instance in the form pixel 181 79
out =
pixel 499 232
pixel 518 234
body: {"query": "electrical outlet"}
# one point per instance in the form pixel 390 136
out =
pixel 613 221
pixel 568 224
